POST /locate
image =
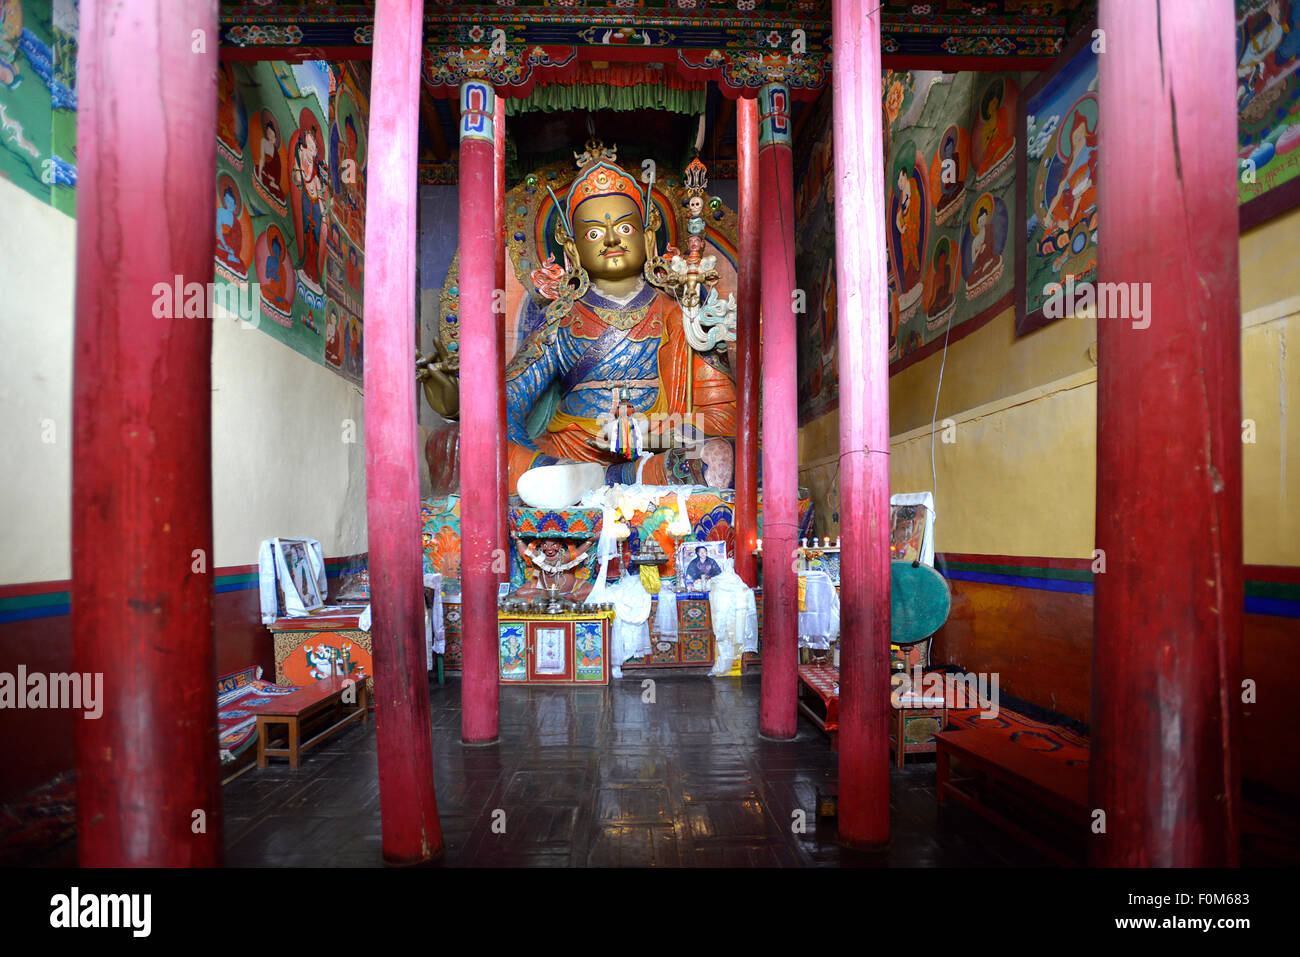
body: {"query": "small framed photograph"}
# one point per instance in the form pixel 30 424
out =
pixel 299 575
pixel 700 562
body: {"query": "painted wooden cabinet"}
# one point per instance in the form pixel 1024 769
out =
pixel 554 649
pixel 693 646
pixel 319 646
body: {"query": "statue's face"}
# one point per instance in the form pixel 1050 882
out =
pixel 608 233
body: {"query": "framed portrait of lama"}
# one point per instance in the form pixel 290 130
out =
pixel 297 575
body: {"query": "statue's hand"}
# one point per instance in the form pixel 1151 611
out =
pixel 439 374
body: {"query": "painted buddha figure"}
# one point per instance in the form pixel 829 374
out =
pixel 609 331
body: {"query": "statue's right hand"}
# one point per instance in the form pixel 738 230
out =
pixel 439 374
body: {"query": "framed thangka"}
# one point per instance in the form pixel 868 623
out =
pixel 1268 108
pixel 1056 184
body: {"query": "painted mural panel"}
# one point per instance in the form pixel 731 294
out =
pixel 950 195
pixel 950 146
pixel 38 98
pixel 1059 181
pixel 291 162
pixel 1268 107
pixel 815 264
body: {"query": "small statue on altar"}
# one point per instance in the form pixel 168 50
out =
pixel 551 571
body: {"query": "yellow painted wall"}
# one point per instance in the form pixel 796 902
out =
pixel 1020 477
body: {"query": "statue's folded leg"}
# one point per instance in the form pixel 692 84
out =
pixel 542 481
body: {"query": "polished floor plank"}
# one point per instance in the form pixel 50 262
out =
pixel 670 773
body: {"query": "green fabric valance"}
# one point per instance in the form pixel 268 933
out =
pixel 556 97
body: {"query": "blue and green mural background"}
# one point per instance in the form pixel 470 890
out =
pixel 38 99
pixel 1268 94
pixel 290 203
pixel 950 146
pixel 291 176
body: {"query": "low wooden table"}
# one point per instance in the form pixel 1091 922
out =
pixel 820 683
pixel 1034 780
pixel 296 709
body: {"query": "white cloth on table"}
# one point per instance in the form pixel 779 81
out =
pixel 271 564
pixel 435 635
pixel 911 699
pixel 819 622
pixel 666 614
pixel 734 613
pixel 630 636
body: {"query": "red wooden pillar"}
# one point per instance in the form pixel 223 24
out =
pixel 480 403
pixel 499 211
pixel 147 769
pixel 1167 643
pixel 411 833
pixel 747 344
pixel 862 307
pixel 778 704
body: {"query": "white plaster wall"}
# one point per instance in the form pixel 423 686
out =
pixel 282 460
pixel 37 258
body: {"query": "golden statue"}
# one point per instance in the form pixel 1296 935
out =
pixel 616 383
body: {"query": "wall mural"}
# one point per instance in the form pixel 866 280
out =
pixel 950 195
pixel 1057 182
pixel 1268 107
pixel 291 182
pixel 950 146
pixel 814 263
pixel 38 99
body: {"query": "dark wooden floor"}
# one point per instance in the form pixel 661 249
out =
pixel 601 777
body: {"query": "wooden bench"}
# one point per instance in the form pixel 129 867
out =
pixel 302 707
pixel 1042 789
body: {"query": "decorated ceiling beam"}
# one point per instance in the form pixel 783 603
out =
pixel 739 44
